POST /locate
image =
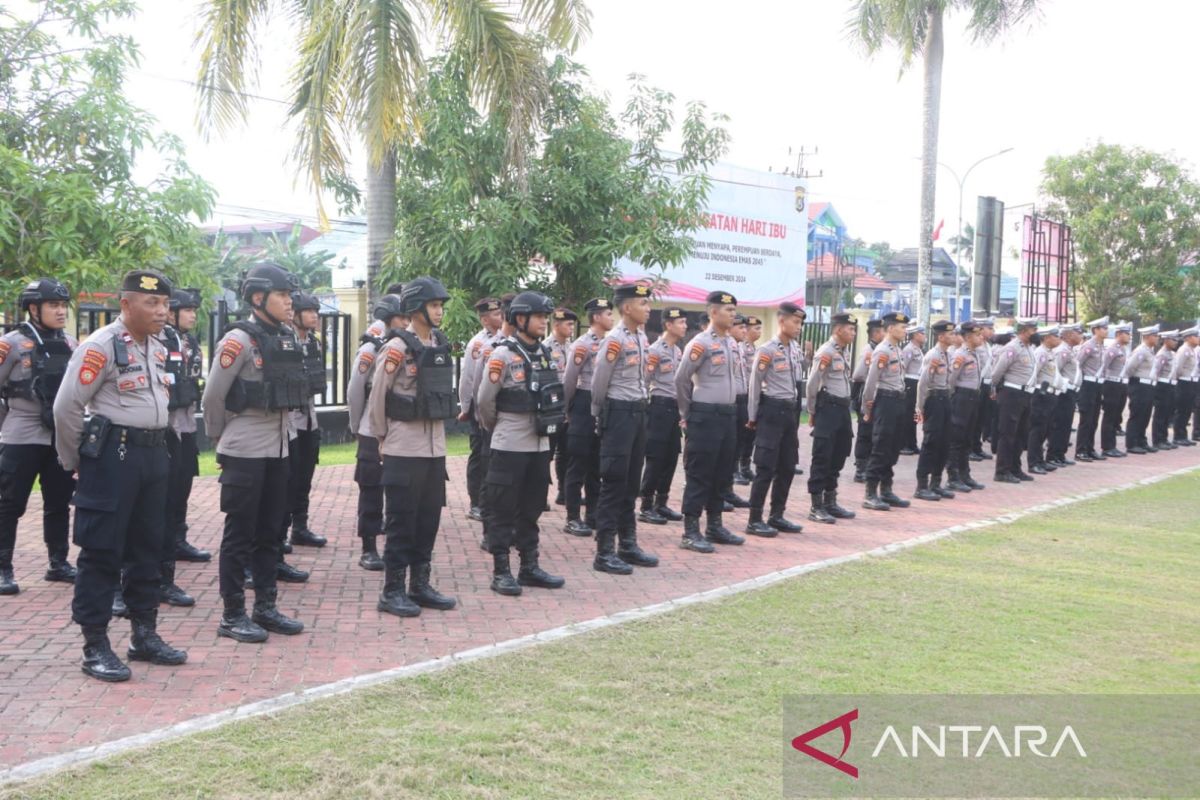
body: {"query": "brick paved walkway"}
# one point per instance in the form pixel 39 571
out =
pixel 47 706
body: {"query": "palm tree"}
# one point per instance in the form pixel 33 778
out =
pixel 358 69
pixel 915 27
pixel 964 245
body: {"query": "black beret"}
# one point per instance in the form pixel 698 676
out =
pixel 597 304
pixel 720 299
pixel 674 312
pixel 895 317
pixel 942 326
pixel 841 319
pixel 561 314
pixel 874 324
pixel 792 308
pixel 753 320
pixel 487 304
pixel 628 291
pixel 146 281
pixel 741 319
pixel 969 327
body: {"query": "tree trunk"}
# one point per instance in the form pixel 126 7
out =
pixel 929 147
pixel 381 220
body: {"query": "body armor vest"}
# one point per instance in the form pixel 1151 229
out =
pixel 284 386
pixel 185 371
pixel 435 398
pixel 49 365
pixel 543 392
pixel 314 365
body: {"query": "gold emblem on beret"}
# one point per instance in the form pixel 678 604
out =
pixel 149 283
pixel 726 299
pixel 642 291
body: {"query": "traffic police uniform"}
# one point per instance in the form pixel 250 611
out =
pixel 1090 358
pixel 1114 393
pixel 1047 386
pixel 984 420
pixel 583 445
pixel 33 361
pixel 120 499
pixel 1138 373
pixel 966 383
pixel 744 474
pixel 1164 390
pixel 883 398
pixel 858 379
pixel 911 360
pixel 1013 376
pixel 664 438
pixel 256 378
pixel 706 391
pixel 477 350
pixel 828 396
pixel 743 358
pixel 304 444
pixel 559 351
pixel 1183 372
pixel 933 398
pixel 1063 416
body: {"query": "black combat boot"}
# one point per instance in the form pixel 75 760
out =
pixel 923 491
pixel 969 481
pixel 147 645
pixel 119 609
pixel 421 592
pixel 873 501
pixel 817 511
pixel 370 560
pixel 629 552
pixel 393 599
pixel 888 496
pixel 268 616
pixel 186 551
pixel 503 581
pixel 747 470
pixel 99 660
pixel 732 498
pixel 650 514
pixel 665 511
pixel 756 526
pixel 606 559
pixel 168 591
pixel 955 482
pixel 693 539
pixel 836 511
pixel 286 573
pixel 577 527
pixel 860 471
pixel 739 475
pixel 935 485
pixel 781 523
pixel 8 584
pixel 302 536
pixel 531 574
pixel 236 625
pixel 60 570
pixel 717 533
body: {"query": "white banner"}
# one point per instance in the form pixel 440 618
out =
pixel 754 245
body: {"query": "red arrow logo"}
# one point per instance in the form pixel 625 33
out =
pixel 801 743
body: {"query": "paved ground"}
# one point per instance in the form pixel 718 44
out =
pixel 48 707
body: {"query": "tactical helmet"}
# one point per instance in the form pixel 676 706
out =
pixel 43 290
pixel 267 277
pixel 529 303
pixel 184 298
pixel 387 307
pixel 305 302
pixel 420 291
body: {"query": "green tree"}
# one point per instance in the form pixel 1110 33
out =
pixel 1135 222
pixel 69 141
pixel 963 246
pixel 311 268
pixel 358 66
pixel 915 27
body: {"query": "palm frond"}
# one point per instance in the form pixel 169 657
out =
pixel 228 59
pixel 874 24
pixel 991 18
pixel 566 23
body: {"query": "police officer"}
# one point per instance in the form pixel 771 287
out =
pixel 933 412
pixel 412 395
pixel 522 404
pixel 1185 385
pixel 368 468
pixel 33 361
pixel 119 377
pixel 1047 386
pixel 985 419
pixel 1115 390
pixel 490 318
pixel 706 391
pixel 911 359
pixel 562 332
pixel 185 365
pixel 858 379
pixel 745 474
pixel 745 357
pixel 1138 374
pixel 829 396
pixel 1063 415
pixel 774 397
pixel 304 445
pixel 664 440
pixel 620 397
pixel 965 385
pixel 1013 375
pixel 1164 390
pixel 583 445
pixel 884 405
pixel 1090 358
pixel 256 378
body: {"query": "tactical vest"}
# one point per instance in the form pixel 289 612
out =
pixel 184 372
pixel 543 393
pixel 314 365
pixel 284 385
pixel 435 397
pixel 48 366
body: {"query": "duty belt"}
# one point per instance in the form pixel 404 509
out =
pixel 664 401
pixel 632 405
pixel 965 390
pixel 1188 380
pixel 825 397
pixel 1092 379
pixel 790 405
pixel 140 437
pixel 939 393
pixel 1020 387
pixel 889 393
pixel 1140 380
pixel 728 409
pixel 1116 380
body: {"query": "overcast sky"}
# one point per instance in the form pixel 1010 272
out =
pixel 1086 70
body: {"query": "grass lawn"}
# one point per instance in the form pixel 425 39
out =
pixel 1096 597
pixel 334 454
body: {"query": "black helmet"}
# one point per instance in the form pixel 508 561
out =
pixel 529 303
pixel 305 302
pixel 43 290
pixel 420 291
pixel 387 307
pixel 184 298
pixel 267 277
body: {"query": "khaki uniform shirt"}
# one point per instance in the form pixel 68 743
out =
pixel 475 356
pixel 935 374
pixel 511 431
pixel 662 360
pixel 776 373
pixel 23 420
pixel 255 432
pixel 1014 365
pixel 886 371
pixel 1139 365
pixel 356 389
pixel 1045 366
pixel 864 364
pixel 912 358
pixel 183 420
pixel 705 375
pixel 581 366
pixel 832 374
pixel 396 373
pixel 1114 363
pixel 1091 360
pixel 558 351
pixel 1185 363
pixel 1068 367
pixel 965 372
pixel 1164 363
pixel 620 374
pixel 302 419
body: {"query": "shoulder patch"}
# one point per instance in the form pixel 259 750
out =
pixel 495 369
pixel 93 363
pixel 365 360
pixel 825 361
pixel 393 360
pixel 5 347
pixel 475 348
pixel 882 361
pixel 613 350
pixel 764 361
pixel 695 351
pixel 229 352
pixel 652 362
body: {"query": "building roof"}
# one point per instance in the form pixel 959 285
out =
pixel 826 267
pixel 902 267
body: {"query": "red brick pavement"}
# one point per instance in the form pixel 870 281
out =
pixel 48 707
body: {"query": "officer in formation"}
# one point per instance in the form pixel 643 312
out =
pixel 1013 376
pixel 33 362
pixel 1164 390
pixel 828 396
pixel 1184 372
pixel 774 384
pixel 982 427
pixel 884 406
pixel 412 395
pixel 304 446
pixel 1047 387
pixel 368 467
pixel 1090 359
pixel 583 444
pixel 562 334
pixel 118 379
pixel 706 391
pixel 858 379
pixel 620 401
pixel 933 412
pixel 1063 417
pixel 256 379
pixel 1138 376
pixel 1115 390
pixel 490 318
pixel 522 404
pixel 966 385
pixel 744 474
pixel 664 439
pixel 911 358
pixel 741 366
